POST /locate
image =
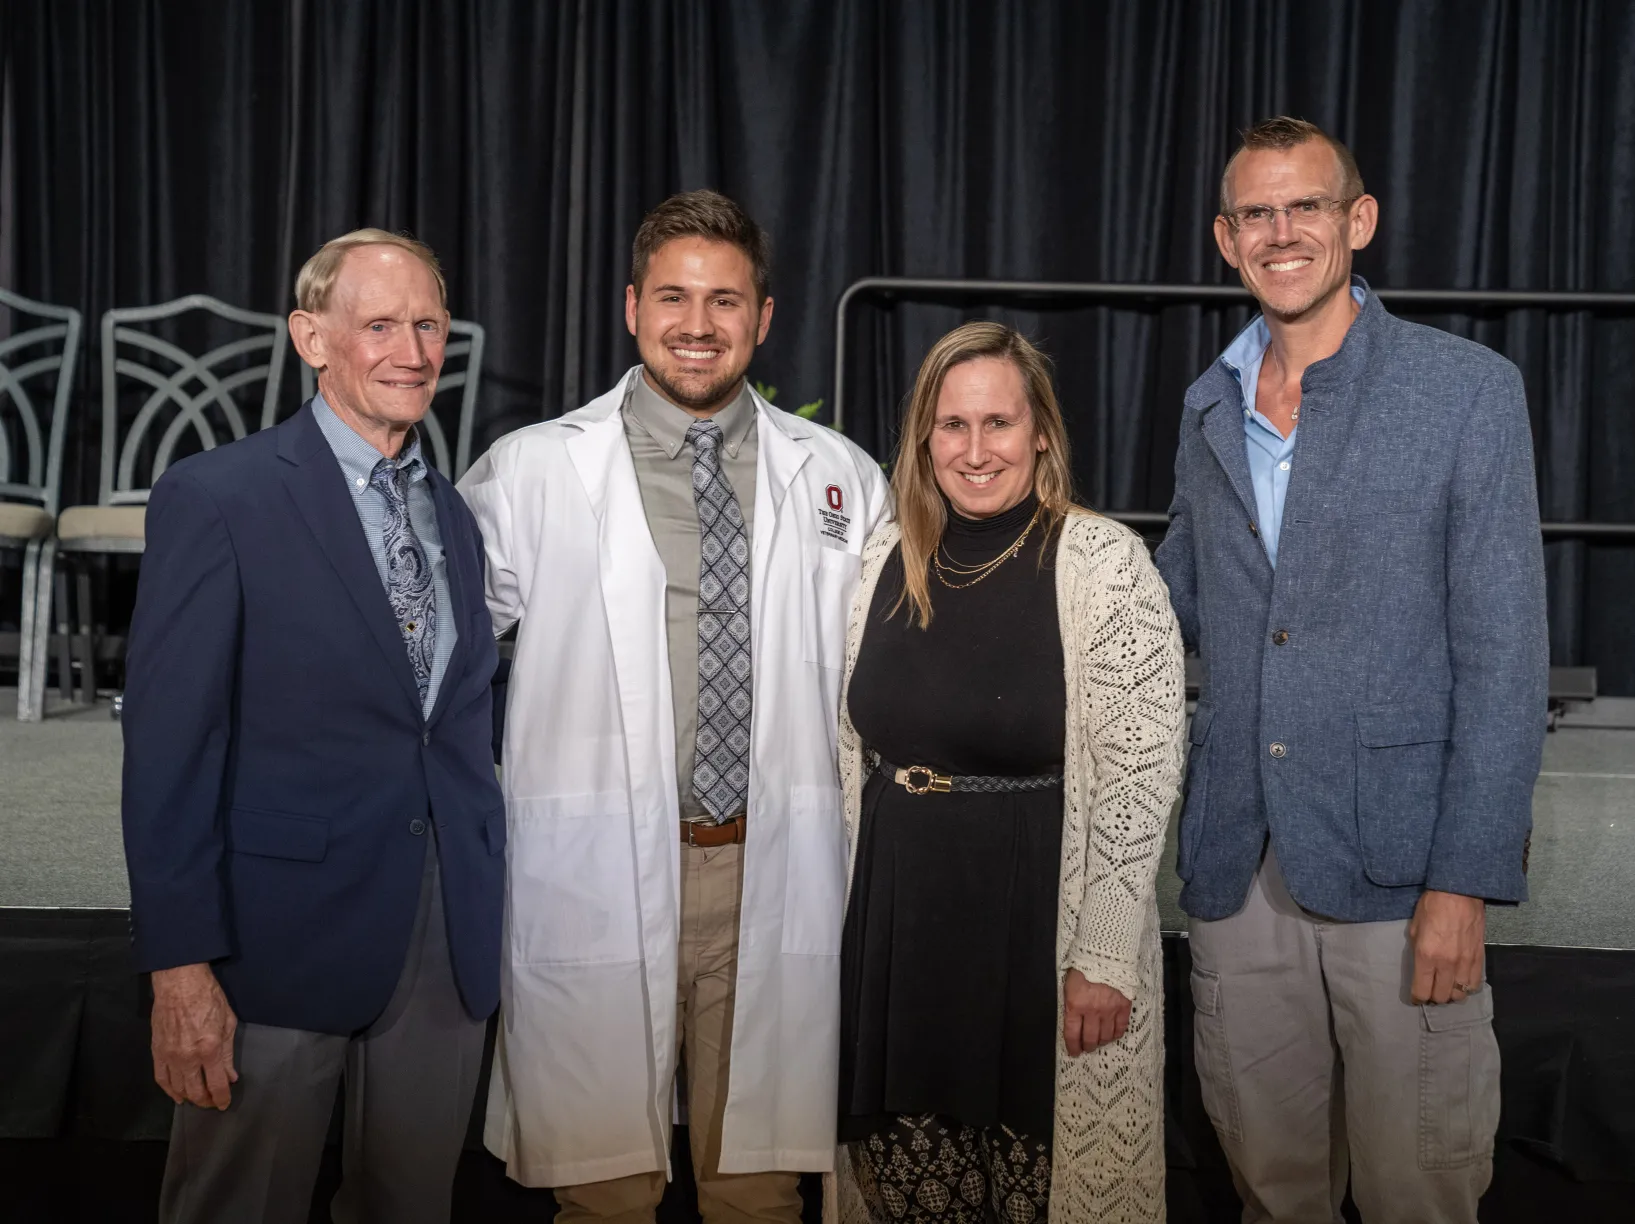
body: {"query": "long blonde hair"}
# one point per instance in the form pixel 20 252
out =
pixel 921 513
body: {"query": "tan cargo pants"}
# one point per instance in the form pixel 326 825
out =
pixel 1316 1066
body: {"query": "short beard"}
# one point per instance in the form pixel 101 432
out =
pixel 712 396
pixel 1311 303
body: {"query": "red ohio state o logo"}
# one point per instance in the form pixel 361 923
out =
pixel 832 493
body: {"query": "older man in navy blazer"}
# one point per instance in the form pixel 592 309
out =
pixel 312 825
pixel 1355 555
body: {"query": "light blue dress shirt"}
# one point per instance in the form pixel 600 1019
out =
pixel 357 459
pixel 1271 455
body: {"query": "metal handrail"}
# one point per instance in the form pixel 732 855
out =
pixel 1155 521
pixel 946 289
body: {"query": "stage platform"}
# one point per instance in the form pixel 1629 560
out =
pixel 82 1126
pixel 59 817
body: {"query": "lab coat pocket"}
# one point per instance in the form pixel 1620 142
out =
pixel 815 890
pixel 571 884
pixel 833 583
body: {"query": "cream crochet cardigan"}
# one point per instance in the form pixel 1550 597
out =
pixel 1125 714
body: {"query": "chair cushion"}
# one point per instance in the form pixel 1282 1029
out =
pixel 19 522
pixel 102 523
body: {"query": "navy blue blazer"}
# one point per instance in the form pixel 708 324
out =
pixel 277 763
pixel 1378 701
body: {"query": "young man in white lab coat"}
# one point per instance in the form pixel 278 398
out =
pixel 679 558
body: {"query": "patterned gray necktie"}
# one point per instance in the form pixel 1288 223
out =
pixel 721 759
pixel 408 575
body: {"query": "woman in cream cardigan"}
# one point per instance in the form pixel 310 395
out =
pixel 1010 750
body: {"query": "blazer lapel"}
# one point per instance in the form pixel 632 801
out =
pixel 780 457
pixel 1223 430
pixel 631 570
pixel 463 584
pixel 314 481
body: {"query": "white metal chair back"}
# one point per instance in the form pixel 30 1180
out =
pixel 36 380
pixel 181 398
pixel 462 371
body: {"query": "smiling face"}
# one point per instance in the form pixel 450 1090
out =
pixel 697 319
pixel 378 342
pixel 983 441
pixel 1294 266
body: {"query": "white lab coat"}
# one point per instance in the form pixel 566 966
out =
pixel 584 1069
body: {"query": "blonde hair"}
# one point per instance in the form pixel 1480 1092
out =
pixel 922 514
pixel 318 275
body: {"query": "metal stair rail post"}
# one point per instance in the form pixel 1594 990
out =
pixel 965 292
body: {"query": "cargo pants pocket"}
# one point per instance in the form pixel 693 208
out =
pixel 1458 1082
pixel 1213 1055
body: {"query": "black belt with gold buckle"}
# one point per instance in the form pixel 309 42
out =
pixel 923 780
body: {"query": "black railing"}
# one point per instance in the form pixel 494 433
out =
pixel 1058 293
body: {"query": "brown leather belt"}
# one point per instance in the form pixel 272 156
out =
pixel 702 833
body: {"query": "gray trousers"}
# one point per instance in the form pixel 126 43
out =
pixel 1316 1066
pixel 410 1078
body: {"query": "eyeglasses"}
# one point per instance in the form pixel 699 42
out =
pixel 1301 213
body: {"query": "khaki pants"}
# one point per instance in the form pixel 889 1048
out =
pixel 1315 1066
pixel 707 971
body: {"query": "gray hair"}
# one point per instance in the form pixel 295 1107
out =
pixel 319 274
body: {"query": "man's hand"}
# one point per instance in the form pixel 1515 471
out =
pixel 193 1030
pixel 1448 931
pixel 1092 1014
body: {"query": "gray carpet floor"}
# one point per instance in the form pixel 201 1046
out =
pixel 59 808
pixel 60 842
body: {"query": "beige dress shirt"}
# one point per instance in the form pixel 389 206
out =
pixel 657 432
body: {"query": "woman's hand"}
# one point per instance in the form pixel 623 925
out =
pixel 1092 1014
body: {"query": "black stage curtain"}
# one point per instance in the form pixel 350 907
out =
pixel 82 1125
pixel 157 147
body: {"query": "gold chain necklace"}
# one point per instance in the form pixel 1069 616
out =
pixel 983 570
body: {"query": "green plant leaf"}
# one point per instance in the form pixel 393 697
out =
pixel 809 411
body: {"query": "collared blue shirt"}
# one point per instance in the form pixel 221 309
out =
pixel 1271 455
pixel 358 459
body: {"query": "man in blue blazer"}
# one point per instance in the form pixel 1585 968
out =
pixel 1354 553
pixel 312 825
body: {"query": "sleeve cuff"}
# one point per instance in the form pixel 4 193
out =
pixel 1120 975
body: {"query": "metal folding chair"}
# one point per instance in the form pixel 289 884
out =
pixel 36 379
pixel 462 370
pixel 165 394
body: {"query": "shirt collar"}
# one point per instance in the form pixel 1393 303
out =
pixel 667 425
pixel 1250 345
pixel 356 457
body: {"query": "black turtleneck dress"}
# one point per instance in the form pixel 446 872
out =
pixel 950 999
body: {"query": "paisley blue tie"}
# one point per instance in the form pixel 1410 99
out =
pixel 721 759
pixel 408 575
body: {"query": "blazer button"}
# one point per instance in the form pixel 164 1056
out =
pixel 1280 638
pixel 1278 750
pixel 425 737
pixel 417 826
